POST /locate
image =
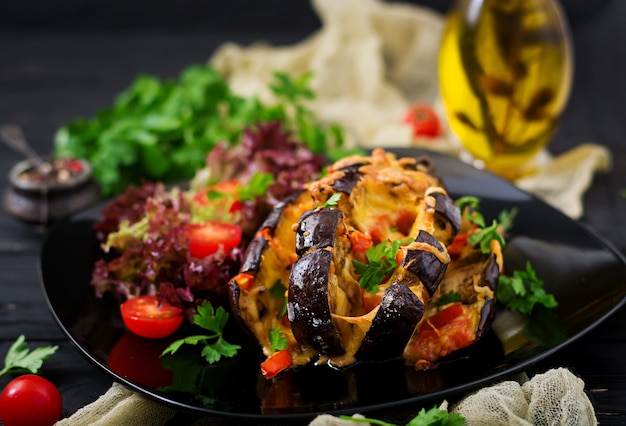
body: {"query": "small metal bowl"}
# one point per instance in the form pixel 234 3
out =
pixel 52 196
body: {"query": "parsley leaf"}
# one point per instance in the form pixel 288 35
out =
pixel 278 341
pixel 381 264
pixel 256 186
pixel 523 291
pixel 20 360
pixel 473 215
pixel 278 290
pixel 214 345
pixel 449 297
pixel 432 417
pixel 332 201
pixel 485 236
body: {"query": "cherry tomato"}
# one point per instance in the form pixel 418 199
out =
pixel 423 119
pixel 138 360
pixel 446 331
pixel 225 192
pixel 276 363
pixel 30 400
pixel 360 242
pixel 144 317
pixel 209 237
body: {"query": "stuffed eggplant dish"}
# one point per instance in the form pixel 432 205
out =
pixel 356 267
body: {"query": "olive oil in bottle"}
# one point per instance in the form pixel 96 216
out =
pixel 505 71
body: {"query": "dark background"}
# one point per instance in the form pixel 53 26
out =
pixel 63 59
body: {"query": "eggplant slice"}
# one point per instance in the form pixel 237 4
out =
pixel 309 246
pixel 462 309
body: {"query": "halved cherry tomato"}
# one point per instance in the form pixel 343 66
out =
pixel 144 317
pixel 423 119
pixel 276 363
pixel 209 237
pixel 226 191
pixel 30 400
pixel 446 331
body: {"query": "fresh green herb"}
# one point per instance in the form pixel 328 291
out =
pixel 468 200
pixel 214 345
pixel 163 130
pixel 523 291
pixel 449 297
pixel 432 417
pixel 485 236
pixel 214 195
pixel 19 359
pixel 278 290
pixel 474 214
pixel 256 186
pixel 278 341
pixel 381 264
pixel 506 219
pixel 332 201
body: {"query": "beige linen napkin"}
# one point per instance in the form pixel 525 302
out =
pixel 554 397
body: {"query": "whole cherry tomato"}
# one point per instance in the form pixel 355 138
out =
pixel 144 317
pixel 30 400
pixel 423 119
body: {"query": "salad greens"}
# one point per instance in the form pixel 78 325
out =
pixel 19 359
pixel 162 130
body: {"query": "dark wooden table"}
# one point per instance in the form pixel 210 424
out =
pixel 56 68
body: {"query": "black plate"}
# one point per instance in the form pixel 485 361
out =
pixel 583 271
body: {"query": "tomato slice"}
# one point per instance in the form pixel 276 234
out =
pixel 423 119
pixel 221 192
pixel 276 363
pixel 144 317
pixel 443 333
pixel 209 237
pixel 457 245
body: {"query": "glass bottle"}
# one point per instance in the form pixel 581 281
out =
pixel 505 72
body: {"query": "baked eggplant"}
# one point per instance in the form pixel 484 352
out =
pixel 321 245
pixel 462 308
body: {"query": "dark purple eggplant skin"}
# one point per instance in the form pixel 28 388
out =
pixel 349 180
pixel 272 219
pixel 233 299
pixel 308 309
pixel 399 312
pixel 254 254
pixel 491 273
pixel 487 315
pixel 428 268
pixel 448 210
pixel 317 228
